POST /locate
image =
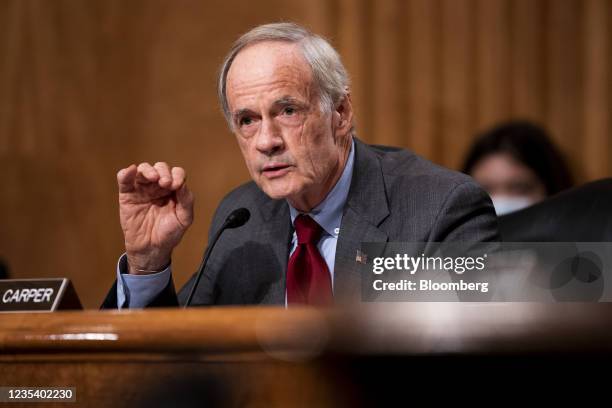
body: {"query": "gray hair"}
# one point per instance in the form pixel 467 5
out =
pixel 328 71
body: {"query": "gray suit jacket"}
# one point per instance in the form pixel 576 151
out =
pixel 395 195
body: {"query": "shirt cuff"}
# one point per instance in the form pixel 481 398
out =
pixel 137 291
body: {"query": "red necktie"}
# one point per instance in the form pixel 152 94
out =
pixel 308 279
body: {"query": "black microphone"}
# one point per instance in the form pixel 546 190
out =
pixel 236 219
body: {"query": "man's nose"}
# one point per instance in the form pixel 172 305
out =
pixel 269 138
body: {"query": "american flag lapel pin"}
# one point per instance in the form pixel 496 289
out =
pixel 361 257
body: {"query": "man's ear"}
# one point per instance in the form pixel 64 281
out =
pixel 343 116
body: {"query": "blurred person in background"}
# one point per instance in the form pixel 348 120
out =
pixel 518 165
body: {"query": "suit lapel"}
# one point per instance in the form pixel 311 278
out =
pixel 365 210
pixel 276 230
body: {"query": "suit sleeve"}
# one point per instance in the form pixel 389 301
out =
pixel 165 298
pixel 467 215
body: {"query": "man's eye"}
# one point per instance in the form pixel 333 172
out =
pixel 289 111
pixel 246 121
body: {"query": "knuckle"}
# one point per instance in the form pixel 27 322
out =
pixel 142 166
pixel 179 173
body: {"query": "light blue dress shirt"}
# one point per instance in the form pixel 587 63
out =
pixel 136 291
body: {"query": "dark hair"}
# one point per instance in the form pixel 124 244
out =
pixel 528 144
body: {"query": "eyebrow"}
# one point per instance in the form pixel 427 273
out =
pixel 241 112
pixel 285 100
pixel 288 100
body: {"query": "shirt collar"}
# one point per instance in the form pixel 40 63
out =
pixel 328 214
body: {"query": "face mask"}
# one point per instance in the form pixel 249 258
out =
pixel 507 204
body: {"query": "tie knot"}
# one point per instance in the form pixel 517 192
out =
pixel 307 229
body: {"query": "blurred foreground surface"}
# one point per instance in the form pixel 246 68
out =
pixel 380 354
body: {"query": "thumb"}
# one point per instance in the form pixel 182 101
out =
pixel 184 205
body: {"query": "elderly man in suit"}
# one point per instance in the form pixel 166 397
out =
pixel 317 191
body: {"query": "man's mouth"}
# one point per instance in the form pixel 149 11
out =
pixel 274 170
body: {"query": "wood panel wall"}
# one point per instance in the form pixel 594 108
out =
pixel 88 87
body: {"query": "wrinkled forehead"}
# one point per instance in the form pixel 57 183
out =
pixel 266 67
